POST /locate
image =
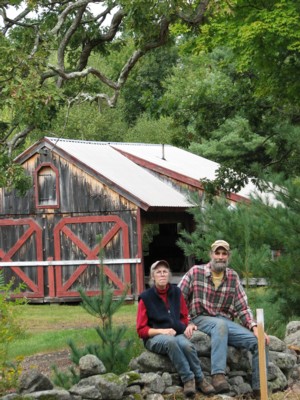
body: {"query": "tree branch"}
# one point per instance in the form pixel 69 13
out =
pixel 62 17
pixel 18 139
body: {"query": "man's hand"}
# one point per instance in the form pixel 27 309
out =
pixel 189 330
pixel 255 331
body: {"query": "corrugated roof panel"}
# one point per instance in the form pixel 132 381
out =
pixel 185 163
pixel 173 158
pixel 107 161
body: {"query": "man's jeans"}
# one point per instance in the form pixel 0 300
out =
pixel 181 352
pixel 224 333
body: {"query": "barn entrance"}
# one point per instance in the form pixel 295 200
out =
pixel 161 232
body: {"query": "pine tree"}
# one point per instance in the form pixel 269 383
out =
pixel 282 226
pixel 239 225
pixel 263 235
pixel 112 348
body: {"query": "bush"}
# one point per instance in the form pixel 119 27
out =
pixel 10 330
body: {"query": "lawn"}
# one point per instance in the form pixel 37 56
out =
pixel 48 328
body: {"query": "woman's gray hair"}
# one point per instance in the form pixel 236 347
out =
pixel 155 265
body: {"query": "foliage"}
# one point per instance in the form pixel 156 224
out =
pixel 263 236
pixel 13 175
pixel 147 130
pixel 265 38
pixel 274 322
pixel 10 331
pixel 50 54
pixel 145 87
pixel 282 226
pixel 94 121
pixel 215 107
pixel 240 225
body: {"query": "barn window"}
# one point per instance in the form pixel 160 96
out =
pixel 47 186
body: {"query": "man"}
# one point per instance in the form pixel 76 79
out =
pixel 215 296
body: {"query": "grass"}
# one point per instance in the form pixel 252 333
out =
pixel 48 328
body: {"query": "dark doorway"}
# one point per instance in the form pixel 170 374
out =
pixel 163 246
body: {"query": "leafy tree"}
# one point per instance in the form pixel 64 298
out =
pixel 222 118
pixel 49 49
pixel 147 130
pixel 200 95
pixel 265 39
pixel 144 89
pixel 90 122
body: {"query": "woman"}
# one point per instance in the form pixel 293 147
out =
pixel 162 318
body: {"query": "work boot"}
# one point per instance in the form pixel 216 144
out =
pixel 256 394
pixel 205 387
pixel 189 388
pixel 220 384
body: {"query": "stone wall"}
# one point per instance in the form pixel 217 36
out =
pixel 152 377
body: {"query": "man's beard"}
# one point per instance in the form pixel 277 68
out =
pixel 219 266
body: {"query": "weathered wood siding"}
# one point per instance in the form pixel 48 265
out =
pixel 79 194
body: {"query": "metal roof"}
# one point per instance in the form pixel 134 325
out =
pixel 172 158
pixel 113 161
pixel 122 172
pixel 186 164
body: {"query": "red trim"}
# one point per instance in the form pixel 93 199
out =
pixel 140 284
pixel 36 186
pixel 37 288
pixel 62 288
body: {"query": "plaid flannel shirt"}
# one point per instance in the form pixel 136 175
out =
pixel 228 300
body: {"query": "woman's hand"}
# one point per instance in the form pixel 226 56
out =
pixel 168 331
pixel 162 331
pixel 189 330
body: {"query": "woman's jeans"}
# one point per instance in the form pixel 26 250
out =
pixel 224 333
pixel 181 352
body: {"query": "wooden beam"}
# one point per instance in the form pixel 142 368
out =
pixel 262 354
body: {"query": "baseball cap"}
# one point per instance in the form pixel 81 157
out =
pixel 220 243
pixel 158 263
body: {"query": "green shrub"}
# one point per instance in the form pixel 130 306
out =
pixel 10 331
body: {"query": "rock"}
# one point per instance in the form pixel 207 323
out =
pixel 284 361
pixel 109 385
pixel 33 381
pixel 276 344
pixel 201 342
pixel 55 394
pixel 153 375
pixel 90 365
pixel 280 382
pixel 148 362
pixel 292 327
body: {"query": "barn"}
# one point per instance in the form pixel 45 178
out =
pixel 128 199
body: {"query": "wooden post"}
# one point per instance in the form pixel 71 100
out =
pixel 262 354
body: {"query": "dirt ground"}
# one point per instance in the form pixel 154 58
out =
pixel 43 362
